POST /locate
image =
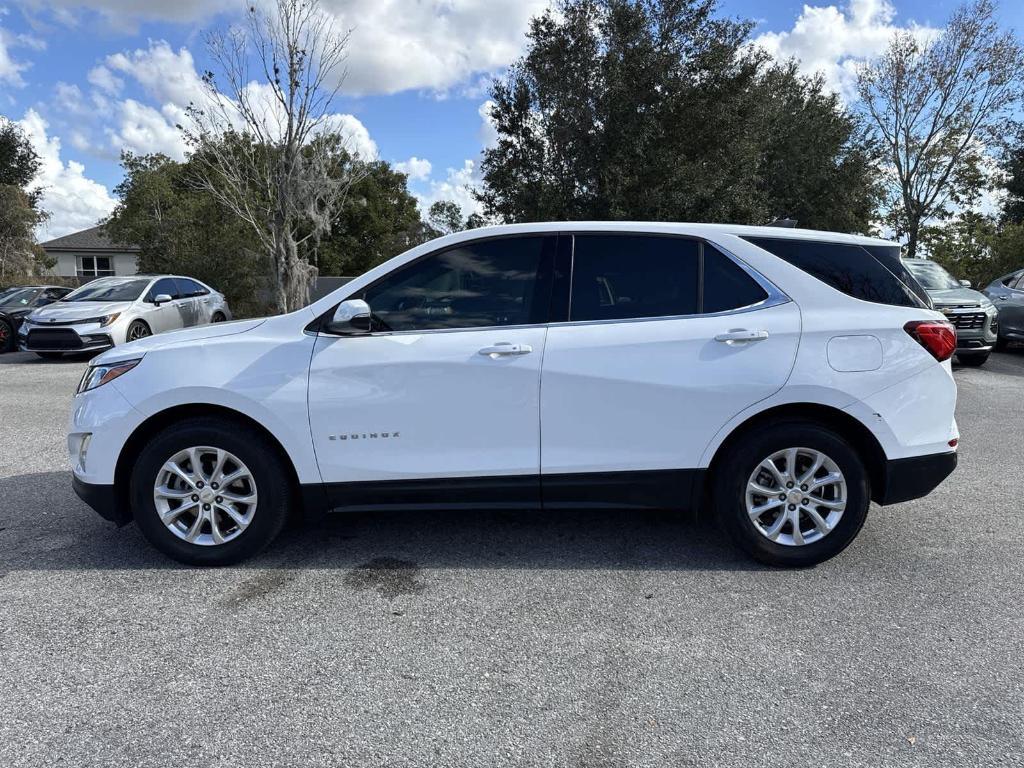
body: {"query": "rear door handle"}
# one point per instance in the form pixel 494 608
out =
pixel 741 335
pixel 504 348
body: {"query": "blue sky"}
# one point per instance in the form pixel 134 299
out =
pixel 87 78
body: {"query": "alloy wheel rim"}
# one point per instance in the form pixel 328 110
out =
pixel 137 331
pixel 796 496
pixel 205 495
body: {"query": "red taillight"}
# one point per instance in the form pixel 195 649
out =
pixel 937 337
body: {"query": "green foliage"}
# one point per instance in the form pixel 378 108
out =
pixel 378 220
pixel 635 109
pixel 976 247
pixel 1013 207
pixel 181 229
pixel 18 160
pixel 19 254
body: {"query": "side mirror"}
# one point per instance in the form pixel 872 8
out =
pixel 351 318
pixel 965 283
pixel 163 298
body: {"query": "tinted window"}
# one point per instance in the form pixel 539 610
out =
pixel 889 257
pixel 726 285
pixel 616 277
pixel 163 286
pixel 847 268
pixel 1018 283
pixel 188 287
pixel 483 284
pixel 109 290
pixel 20 298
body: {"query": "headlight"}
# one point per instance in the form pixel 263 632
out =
pixel 98 375
pixel 108 319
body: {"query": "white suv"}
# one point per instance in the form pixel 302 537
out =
pixel 787 377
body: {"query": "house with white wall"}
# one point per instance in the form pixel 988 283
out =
pixel 90 253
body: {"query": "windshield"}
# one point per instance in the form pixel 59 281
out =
pixel 20 297
pixel 109 290
pixel 932 276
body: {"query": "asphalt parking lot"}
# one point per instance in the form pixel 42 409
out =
pixel 472 639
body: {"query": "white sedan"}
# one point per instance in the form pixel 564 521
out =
pixel 114 310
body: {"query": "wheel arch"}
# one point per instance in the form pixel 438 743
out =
pixel 306 499
pixel 846 426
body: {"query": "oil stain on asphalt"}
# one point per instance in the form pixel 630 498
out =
pixel 388 575
pixel 257 587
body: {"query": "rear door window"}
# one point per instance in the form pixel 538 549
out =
pixel 846 267
pixel 726 285
pixel 618 277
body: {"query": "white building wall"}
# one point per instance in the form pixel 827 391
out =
pixel 123 263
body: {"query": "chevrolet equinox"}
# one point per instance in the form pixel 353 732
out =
pixel 783 379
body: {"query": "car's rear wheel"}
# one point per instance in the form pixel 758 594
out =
pixel 972 359
pixel 137 330
pixel 210 492
pixel 6 337
pixel 218 317
pixel 791 494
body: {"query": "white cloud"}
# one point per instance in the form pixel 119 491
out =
pixel 455 186
pixel 74 201
pixel 416 168
pixel 69 98
pixel 10 70
pixel 143 130
pixel 105 80
pixel 488 133
pixel 833 40
pixel 166 75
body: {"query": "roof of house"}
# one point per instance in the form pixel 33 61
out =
pixel 93 239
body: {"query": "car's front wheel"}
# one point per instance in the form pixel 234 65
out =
pixel 6 337
pixel 137 330
pixel 210 492
pixel 791 494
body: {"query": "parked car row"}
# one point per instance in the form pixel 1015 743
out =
pixel 52 321
pixel 984 320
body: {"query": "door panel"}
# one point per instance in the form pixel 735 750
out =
pixel 650 394
pixel 426 405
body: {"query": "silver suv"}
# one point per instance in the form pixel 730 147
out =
pixel 113 310
pixel 970 311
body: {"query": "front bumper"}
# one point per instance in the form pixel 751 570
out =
pixel 914 477
pixel 103 499
pixel 86 337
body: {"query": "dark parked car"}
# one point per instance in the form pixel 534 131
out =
pixel 19 301
pixel 1007 293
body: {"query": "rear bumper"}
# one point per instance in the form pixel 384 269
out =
pixel 102 498
pixel 914 477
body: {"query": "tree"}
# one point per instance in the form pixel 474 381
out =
pixel 19 206
pixel 278 172
pixel 634 109
pixel 938 107
pixel 180 228
pixel 1013 166
pixel 18 159
pixel 445 217
pixel 975 247
pixel 19 254
pixel 379 220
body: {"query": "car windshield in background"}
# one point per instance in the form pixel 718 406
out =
pixel 20 298
pixel 109 290
pixel 932 276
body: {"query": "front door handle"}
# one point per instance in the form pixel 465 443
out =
pixel 740 335
pixel 505 348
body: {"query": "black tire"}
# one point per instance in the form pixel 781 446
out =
pixel 253 449
pixel 973 359
pixel 6 337
pixel 1002 344
pixel 218 317
pixel 734 469
pixel 50 355
pixel 137 330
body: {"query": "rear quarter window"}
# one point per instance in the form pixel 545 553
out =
pixel 845 267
